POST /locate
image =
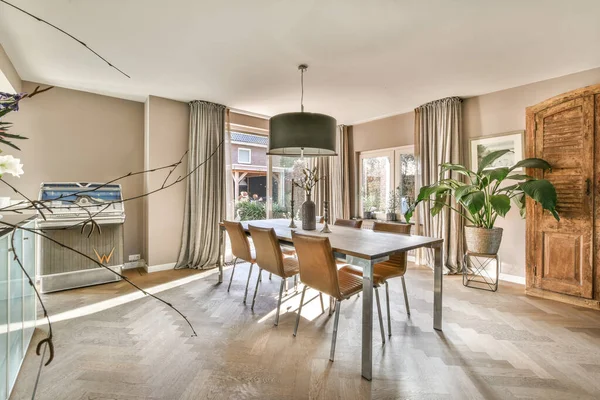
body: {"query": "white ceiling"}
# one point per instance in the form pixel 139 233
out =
pixel 367 58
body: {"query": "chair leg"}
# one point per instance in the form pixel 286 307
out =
pixel 405 297
pixel 248 282
pixel 287 286
pixel 379 314
pixel 232 271
pixel 256 289
pixel 389 314
pixel 296 283
pixel 270 275
pixel 335 329
pixel 321 298
pixel 299 310
pixel 279 301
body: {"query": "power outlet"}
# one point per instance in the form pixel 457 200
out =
pixel 134 257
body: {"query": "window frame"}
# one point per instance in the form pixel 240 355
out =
pixel 394 154
pixel 249 156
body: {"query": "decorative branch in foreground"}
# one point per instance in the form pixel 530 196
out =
pixel 64 33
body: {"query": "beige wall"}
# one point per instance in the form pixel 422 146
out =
pixel 78 136
pixel 488 114
pixel 167 124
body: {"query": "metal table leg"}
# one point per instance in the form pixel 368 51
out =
pixel 221 259
pixel 437 287
pixel 367 312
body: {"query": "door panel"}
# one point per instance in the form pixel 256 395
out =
pixel 564 136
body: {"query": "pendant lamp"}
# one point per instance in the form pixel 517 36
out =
pixel 302 133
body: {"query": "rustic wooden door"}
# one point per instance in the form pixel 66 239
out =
pixel 562 254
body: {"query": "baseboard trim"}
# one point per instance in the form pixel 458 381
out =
pixel 134 264
pixel 512 278
pixel 160 267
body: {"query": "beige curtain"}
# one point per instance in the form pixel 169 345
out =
pixel 205 202
pixel 335 185
pixel 438 139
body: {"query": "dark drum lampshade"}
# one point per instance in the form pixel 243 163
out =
pixel 302 134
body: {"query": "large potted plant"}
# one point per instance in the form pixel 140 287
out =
pixel 486 195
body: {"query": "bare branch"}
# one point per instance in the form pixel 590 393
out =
pixel 65 33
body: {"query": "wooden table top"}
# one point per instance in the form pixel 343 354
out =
pixel 361 243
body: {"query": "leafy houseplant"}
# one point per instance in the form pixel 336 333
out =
pixel 483 198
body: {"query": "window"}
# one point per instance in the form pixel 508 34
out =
pixel 244 156
pixel 283 170
pixel 387 175
pixel 376 180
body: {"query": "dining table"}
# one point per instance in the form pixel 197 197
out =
pixel 363 248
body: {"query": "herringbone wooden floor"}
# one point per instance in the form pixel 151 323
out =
pixel 500 345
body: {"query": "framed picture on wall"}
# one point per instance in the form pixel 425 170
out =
pixel 482 146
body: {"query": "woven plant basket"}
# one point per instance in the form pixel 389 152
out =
pixel 483 240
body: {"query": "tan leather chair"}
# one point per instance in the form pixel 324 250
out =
pixel 240 247
pixel 270 258
pixel 320 219
pixel 318 270
pixel 350 223
pixel 392 268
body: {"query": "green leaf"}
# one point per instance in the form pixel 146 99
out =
pixel 456 168
pixel 500 203
pixel 440 202
pixel 543 192
pixel 6 142
pixel 473 201
pixel 532 163
pixel 520 202
pixel 496 174
pixel 490 158
pixel 426 191
pixel 13 136
pixel 463 190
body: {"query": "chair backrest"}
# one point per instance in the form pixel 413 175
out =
pixel 398 259
pixel 350 223
pixel 403 229
pixel 240 246
pixel 317 264
pixel 268 251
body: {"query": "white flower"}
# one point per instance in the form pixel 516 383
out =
pixel 11 165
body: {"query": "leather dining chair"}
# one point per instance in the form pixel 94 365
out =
pixel 350 223
pixel 240 247
pixel 318 270
pixel 392 268
pixel 269 257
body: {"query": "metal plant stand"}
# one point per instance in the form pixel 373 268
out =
pixel 476 271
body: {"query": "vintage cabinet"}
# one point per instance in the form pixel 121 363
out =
pixel 561 255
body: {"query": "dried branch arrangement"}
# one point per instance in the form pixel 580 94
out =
pixel 310 178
